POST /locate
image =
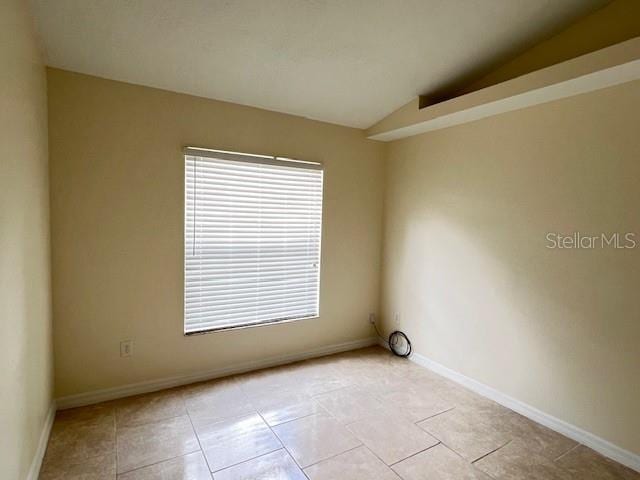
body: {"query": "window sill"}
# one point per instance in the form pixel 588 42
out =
pixel 251 325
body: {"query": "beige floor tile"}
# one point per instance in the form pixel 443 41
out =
pixel 415 405
pixel 315 438
pixel 289 409
pixel 92 414
pixel 235 440
pixel 154 436
pixel 585 464
pixel 102 467
pixel 148 408
pixel 466 434
pixel 429 382
pixel 150 443
pixel 438 463
pixel 216 400
pixel 391 438
pixel 316 379
pixel 356 464
pixel 266 398
pixel 416 373
pixel 324 385
pixel 538 438
pixel 350 404
pixel 473 404
pixel 274 383
pixel 382 384
pixel 187 467
pixel 515 461
pixel 276 465
pixel 72 442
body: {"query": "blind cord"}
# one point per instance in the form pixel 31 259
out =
pixel 195 200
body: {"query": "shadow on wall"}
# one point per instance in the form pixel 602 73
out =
pixel 467 263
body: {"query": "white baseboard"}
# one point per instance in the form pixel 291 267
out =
pixel 97 396
pixel 36 463
pixel 598 444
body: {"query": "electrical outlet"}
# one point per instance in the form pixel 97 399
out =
pixel 372 318
pixel 126 348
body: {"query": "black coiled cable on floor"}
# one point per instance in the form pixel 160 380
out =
pixel 399 344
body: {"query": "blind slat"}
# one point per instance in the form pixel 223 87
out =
pixel 202 299
pixel 225 284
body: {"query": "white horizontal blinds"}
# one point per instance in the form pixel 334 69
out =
pixel 252 240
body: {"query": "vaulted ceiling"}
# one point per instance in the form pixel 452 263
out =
pixel 349 62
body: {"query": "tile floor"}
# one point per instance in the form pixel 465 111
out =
pixel 361 415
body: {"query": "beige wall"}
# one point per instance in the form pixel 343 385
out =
pixel 467 268
pixel 25 313
pixel 117 229
pixel 616 22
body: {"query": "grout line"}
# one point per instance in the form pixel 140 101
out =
pixel 156 463
pixel 246 414
pixel 567 452
pixel 374 453
pixel 292 420
pixel 454 452
pixel 414 454
pixel 448 447
pixel 247 460
pixel 437 414
pixel 115 434
pixel 434 415
pixel 338 454
pixel 275 434
pixel 492 451
pixel 226 419
pixel 333 390
pixel 149 422
pixel 371 451
pixel 206 461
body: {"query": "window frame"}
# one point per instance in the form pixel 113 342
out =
pixel 252 159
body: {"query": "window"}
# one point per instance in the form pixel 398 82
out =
pixel 251 240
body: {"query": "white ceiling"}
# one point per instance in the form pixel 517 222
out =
pixel 349 62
